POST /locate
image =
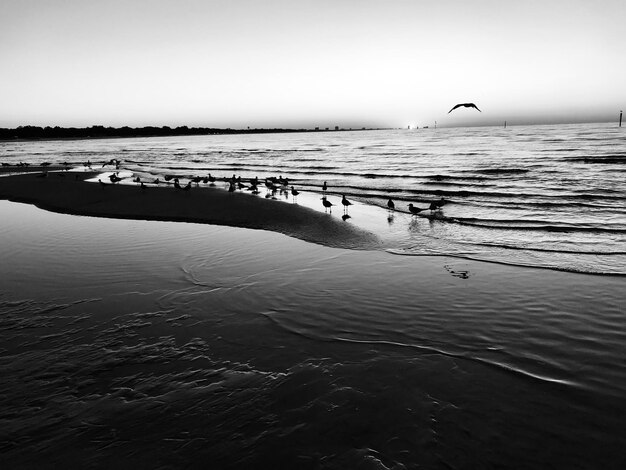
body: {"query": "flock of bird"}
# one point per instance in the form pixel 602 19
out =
pixel 273 185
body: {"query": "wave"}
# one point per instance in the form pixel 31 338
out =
pixel 497 224
pixel 603 159
pixel 546 250
pixel 508 261
pixel 491 171
pixel 452 177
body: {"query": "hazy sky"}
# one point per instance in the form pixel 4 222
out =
pixel 292 63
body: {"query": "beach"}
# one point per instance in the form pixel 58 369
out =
pixel 133 340
pixel 69 192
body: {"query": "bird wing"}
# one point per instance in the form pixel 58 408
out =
pixel 466 105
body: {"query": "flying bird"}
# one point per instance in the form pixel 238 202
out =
pixel 465 105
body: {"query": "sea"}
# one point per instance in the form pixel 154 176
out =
pixel 549 196
pixel 486 334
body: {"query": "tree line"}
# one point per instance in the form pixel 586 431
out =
pixel 95 132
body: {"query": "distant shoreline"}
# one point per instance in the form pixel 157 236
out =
pixel 101 132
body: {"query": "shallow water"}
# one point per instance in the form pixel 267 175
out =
pixel 133 343
pixel 546 196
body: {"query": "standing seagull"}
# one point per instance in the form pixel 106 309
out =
pixel 294 193
pixel 465 105
pixel 327 204
pixel 345 203
pixel 324 187
pixel 414 210
pixel 390 205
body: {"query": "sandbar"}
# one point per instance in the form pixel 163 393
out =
pixel 69 192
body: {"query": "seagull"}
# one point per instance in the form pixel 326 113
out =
pixel 324 187
pixel 294 193
pixel 441 203
pixel 390 205
pixel 414 210
pixel 465 105
pixel 327 204
pixel 433 207
pixel 345 203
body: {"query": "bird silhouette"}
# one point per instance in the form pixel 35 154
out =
pixel 465 105
pixel 294 193
pixel 327 204
pixel 414 210
pixel 324 187
pixel 345 203
pixel 390 205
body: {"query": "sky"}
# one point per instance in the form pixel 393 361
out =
pixel 302 64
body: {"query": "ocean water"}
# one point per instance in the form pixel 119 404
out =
pixel 143 344
pixel 543 196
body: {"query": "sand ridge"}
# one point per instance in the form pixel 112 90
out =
pixel 69 192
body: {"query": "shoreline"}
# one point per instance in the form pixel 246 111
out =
pixel 113 323
pixel 69 192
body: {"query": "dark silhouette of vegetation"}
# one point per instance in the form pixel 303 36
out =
pixel 98 132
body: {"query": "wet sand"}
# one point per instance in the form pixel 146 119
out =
pixel 69 192
pixel 134 344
